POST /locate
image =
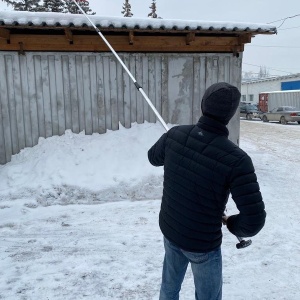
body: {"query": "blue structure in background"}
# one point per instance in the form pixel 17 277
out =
pixel 290 85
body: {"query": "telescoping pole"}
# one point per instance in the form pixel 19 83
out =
pixel 242 243
pixel 139 88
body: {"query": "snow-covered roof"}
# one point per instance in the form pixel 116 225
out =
pixel 17 18
pixel 256 80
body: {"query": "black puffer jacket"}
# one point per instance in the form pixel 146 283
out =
pixel 201 168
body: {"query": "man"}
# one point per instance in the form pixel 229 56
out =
pixel 201 168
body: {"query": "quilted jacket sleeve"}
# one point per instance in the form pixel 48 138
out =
pixel 156 154
pixel 246 194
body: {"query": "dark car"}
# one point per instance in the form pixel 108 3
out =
pixel 249 111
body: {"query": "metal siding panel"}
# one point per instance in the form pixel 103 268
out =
pixel 11 104
pixel 100 96
pixel 86 85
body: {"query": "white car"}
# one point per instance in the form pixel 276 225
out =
pixel 282 114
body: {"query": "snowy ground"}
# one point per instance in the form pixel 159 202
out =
pixel 79 219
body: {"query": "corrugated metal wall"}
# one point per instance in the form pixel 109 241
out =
pixel 43 94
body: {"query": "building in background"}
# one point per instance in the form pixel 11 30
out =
pixel 251 89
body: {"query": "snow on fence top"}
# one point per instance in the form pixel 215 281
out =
pixel 17 18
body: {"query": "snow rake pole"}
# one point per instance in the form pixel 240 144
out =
pixel 139 88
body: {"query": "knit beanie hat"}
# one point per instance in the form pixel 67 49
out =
pixel 220 102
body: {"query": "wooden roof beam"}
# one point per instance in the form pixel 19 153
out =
pixel 131 37
pixel 69 35
pixel 5 34
pixel 190 37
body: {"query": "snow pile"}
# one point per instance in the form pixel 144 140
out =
pixel 113 249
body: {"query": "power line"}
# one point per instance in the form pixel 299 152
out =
pixel 267 68
pixel 290 47
pixel 283 20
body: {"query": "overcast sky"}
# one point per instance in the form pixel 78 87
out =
pixel 280 53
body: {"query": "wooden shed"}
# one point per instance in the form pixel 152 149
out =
pixel 56 73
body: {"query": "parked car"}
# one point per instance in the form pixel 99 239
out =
pixel 249 111
pixel 282 114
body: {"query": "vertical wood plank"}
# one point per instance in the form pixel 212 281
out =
pixel 133 98
pixel 145 84
pixel 3 158
pixel 39 95
pixel 67 91
pixel 127 94
pixel 100 96
pixel 32 98
pixel 18 100
pixel 180 90
pixel 106 86
pixel 46 100
pixel 93 80
pixel 120 92
pixel 79 75
pixel 6 149
pixel 61 114
pixel 139 97
pixel 53 94
pixel 209 71
pixel 11 104
pixel 162 94
pixel 196 110
pixel 113 93
pixel 25 100
pixel 87 95
pixel 158 84
pixel 152 87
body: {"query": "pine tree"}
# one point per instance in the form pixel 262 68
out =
pixel 127 9
pixel 153 10
pixel 24 5
pixel 72 8
pixel 54 6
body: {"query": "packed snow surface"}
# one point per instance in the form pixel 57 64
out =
pixel 79 219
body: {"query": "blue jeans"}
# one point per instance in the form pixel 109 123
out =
pixel 206 268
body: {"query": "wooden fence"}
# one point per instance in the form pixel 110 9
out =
pixel 45 93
